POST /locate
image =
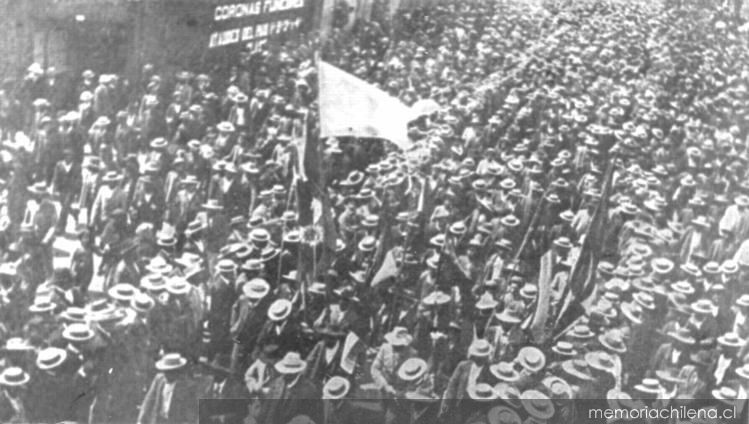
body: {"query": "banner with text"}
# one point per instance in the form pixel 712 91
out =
pixel 253 23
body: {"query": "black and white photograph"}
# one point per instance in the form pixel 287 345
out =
pixel 374 211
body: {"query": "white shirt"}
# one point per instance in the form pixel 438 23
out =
pixel 473 375
pixel 738 322
pixel 720 370
pixel 330 352
pixel 742 254
pixel 167 392
pixel 226 184
pixel 217 387
pixel 730 219
pixel 675 355
pixel 279 328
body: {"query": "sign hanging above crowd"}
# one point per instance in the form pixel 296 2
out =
pixel 253 23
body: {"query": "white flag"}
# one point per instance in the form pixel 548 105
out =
pixel 352 107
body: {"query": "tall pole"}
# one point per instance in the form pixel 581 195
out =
pixel 326 18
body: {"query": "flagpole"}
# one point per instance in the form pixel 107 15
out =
pixel 572 293
pixel 532 223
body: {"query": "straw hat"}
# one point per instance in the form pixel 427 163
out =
pixel 558 388
pixel 537 404
pixel 613 340
pixel 412 369
pixel 529 291
pixel 367 244
pixel 480 348
pixel 142 303
pixel 159 265
pixel 256 289
pixel 153 282
pixel 743 371
pixel 531 358
pixel 703 307
pixel 482 392
pixel 212 205
pixel 682 335
pixel 601 361
pixel 503 415
pixel 683 287
pixel 633 312
pixel 398 337
pixel 563 348
pixel 436 298
pixel 178 286
pixel 729 267
pixel 511 314
pixel 505 371
pixel 581 332
pixel 563 243
pixel 662 266
pixel 743 301
pixel 691 269
pixel 42 306
pixel 577 368
pixel 171 362
pixel 51 358
pixel 644 300
pixel 17 344
pixel 279 310
pixel 620 400
pixel 486 301
pixel 78 332
pixel 509 393
pixel 336 388
pixel 731 340
pixel 711 268
pixel 725 394
pixel 14 377
pixel 458 228
pixel 122 292
pixel 292 363
pixel 510 221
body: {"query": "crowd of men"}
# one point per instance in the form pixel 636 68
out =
pixel 224 251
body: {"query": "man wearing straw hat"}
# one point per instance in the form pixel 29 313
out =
pixel 50 391
pixel 13 407
pixel 290 393
pixel 171 395
pixel 247 318
pixel 468 373
pixel 41 215
pixel 394 352
pixel 223 294
pixel 336 408
pixel 280 329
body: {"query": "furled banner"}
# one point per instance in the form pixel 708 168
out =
pixel 351 107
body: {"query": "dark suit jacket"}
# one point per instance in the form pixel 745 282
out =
pixel 706 333
pixel 283 403
pixel 338 412
pixel 662 360
pixel 227 404
pixel 183 408
pixel 64 181
pixel 223 297
pixel 456 386
pixel 246 321
pixel 287 341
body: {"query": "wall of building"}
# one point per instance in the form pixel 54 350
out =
pixel 17 41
